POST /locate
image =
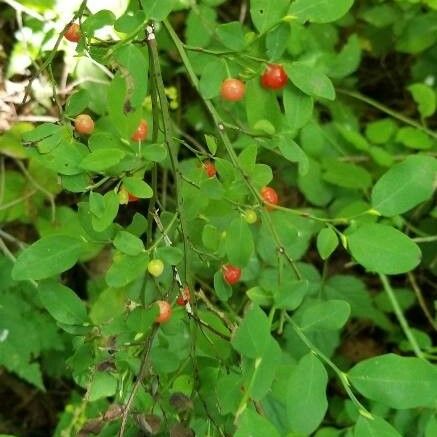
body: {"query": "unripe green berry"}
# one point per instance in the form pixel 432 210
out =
pixel 250 216
pixel 155 267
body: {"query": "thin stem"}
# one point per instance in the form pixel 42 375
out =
pixel 228 145
pixel 421 300
pixel 155 133
pixel 400 316
pixel 341 375
pixel 52 54
pixel 387 110
pixel 11 256
pixel 430 239
pixel 39 187
pixel 17 201
pixel 168 135
pixel 138 382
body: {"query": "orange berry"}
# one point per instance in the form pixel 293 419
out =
pixel 210 169
pixel 270 196
pixel 165 311
pixel 231 274
pixel 184 297
pixel 84 124
pixel 72 33
pixel 141 133
pixel 232 90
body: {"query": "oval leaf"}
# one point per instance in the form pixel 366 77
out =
pixel 398 382
pixel 62 303
pixel 383 249
pixel 325 315
pixel 306 395
pixel 48 257
pixel 310 80
pixel 405 185
pixel 239 242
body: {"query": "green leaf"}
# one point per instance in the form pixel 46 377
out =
pixel 353 137
pixel 157 9
pixel 133 59
pixel 62 303
pixel 398 382
pixel 252 337
pixel 265 13
pixel 277 40
pixel 327 241
pixel 290 294
pixel 107 206
pixel 129 21
pixel 345 174
pixel 221 287
pixel 381 131
pixel 431 427
pixel 247 158
pixel 211 237
pixel 128 243
pixel 239 242
pixel 425 97
pixel 141 319
pixel 413 138
pixel 103 385
pixel 126 269
pixel 253 425
pixel 325 315
pixel 260 296
pixel 405 185
pixel 298 107
pixel 138 187
pixel 265 370
pixel 310 80
pixel 200 26
pixel 169 254
pixel 47 257
pixel 375 427
pixel 116 95
pixel 314 188
pixel 291 151
pixel 213 74
pixel 211 142
pixel 102 159
pixel 320 11
pixel 261 105
pixel 232 35
pixel 97 21
pixel 154 152
pixel 77 102
pixel 347 61
pixel 383 249
pixel 40 132
pixel 306 395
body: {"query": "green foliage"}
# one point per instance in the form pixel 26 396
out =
pixel 313 338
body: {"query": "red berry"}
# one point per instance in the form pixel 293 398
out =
pixel 274 77
pixel 72 33
pixel 132 198
pixel 84 124
pixel 184 297
pixel 270 196
pixel 231 274
pixel 210 169
pixel 232 90
pixel 141 133
pixel 164 311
